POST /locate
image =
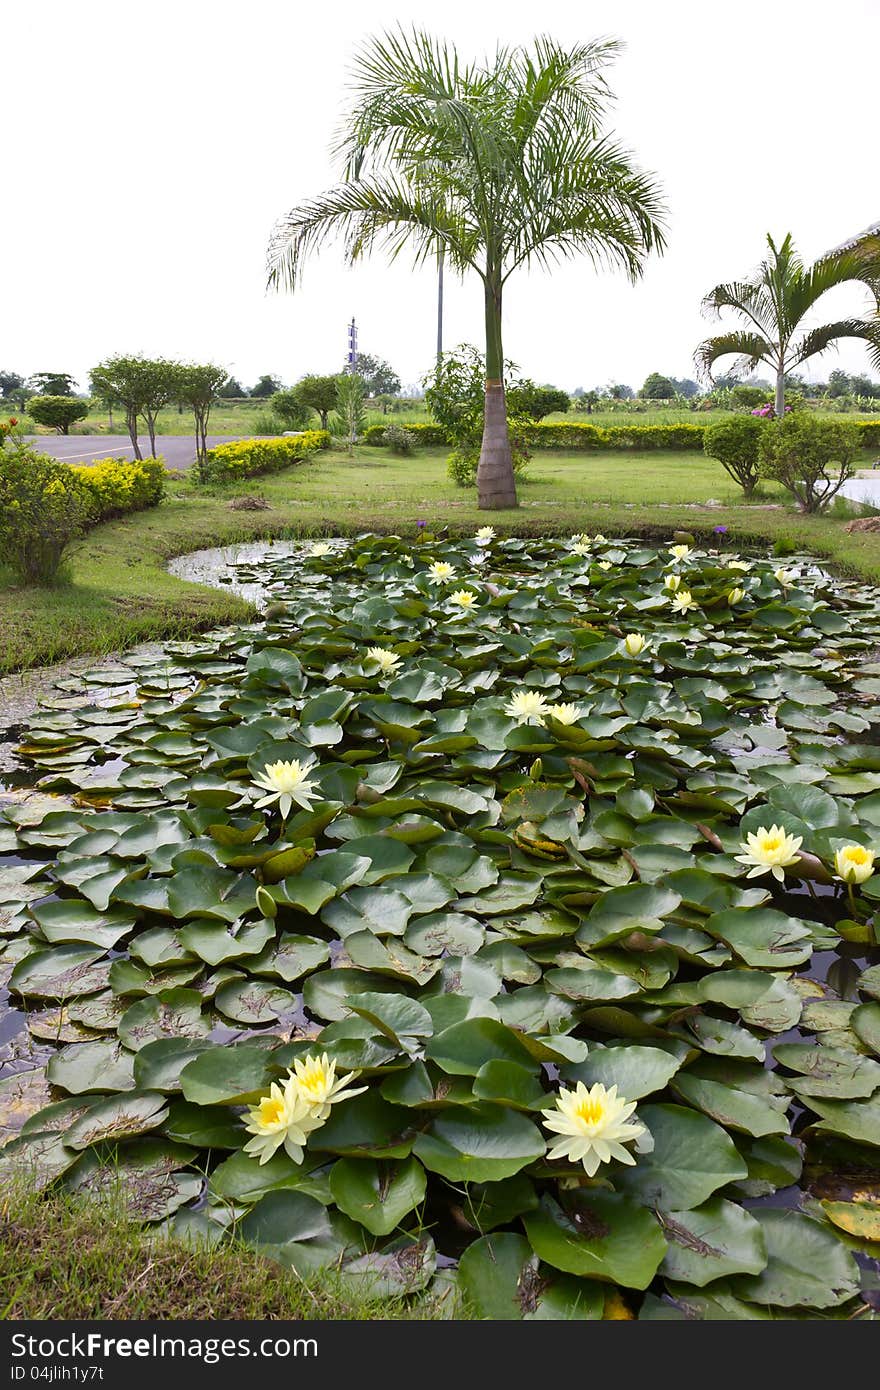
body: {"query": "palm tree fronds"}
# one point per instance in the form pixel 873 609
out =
pixel 750 348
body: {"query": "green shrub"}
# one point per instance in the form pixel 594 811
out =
pixel 116 486
pixel 264 422
pixel 248 458
pixel 462 464
pixel 811 458
pixel 399 440
pixel 735 442
pixel 428 434
pixel 869 433
pixel 57 412
pixel 43 507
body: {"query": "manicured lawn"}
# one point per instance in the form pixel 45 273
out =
pixel 118 591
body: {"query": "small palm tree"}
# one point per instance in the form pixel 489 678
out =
pixel 497 165
pixel 776 301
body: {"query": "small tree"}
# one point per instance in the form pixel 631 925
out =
pixel 811 458
pixel 199 386
pixel 350 409
pixel 52 383
pixel 658 388
pixel 266 386
pixel 748 397
pixel 142 386
pixel 318 393
pixel 735 442
pixel 57 412
pixel 290 409
pixel 455 395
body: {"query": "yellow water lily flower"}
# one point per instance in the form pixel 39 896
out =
pixel 683 601
pixel 738 565
pixel 736 596
pixel 479 558
pixel 316 1084
pixel 854 863
pixel 592 1125
pixel 286 783
pixel 605 565
pixel 581 539
pixel 599 539
pixel 281 1117
pixel 566 714
pixel 785 577
pixel 769 851
pixel 440 571
pixel 387 661
pixel 672 581
pixel 320 548
pixel 464 599
pixel 679 553
pixel 485 535
pixel 527 707
pixel 581 548
pixel 634 644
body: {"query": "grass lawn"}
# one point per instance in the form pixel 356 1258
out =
pixel 117 591
pixel 65 1259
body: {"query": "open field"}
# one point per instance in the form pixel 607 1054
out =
pixel 118 592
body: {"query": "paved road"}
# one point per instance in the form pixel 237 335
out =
pixel 178 450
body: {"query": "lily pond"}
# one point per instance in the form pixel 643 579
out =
pixel 491 918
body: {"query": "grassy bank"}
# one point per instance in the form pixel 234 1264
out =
pixel 117 591
pixel 63 1259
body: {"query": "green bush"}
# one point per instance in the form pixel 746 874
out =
pixel 399 440
pixel 429 435
pixel 735 442
pixel 57 412
pixel 288 407
pixel 248 458
pixel 43 507
pixel 462 464
pixel 116 486
pixel 811 458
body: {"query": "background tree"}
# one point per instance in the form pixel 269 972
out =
pixel 199 386
pixel 775 302
pixel 52 384
pixel 811 458
pixel 748 397
pixel 658 388
pixel 619 391
pixel 290 409
pixel 10 382
pixel 686 386
pixel 266 386
pixel 736 443
pixel 57 412
pixel 161 380
pixel 232 390
pixel 318 393
pixel 350 409
pixel 379 377
pixel 500 164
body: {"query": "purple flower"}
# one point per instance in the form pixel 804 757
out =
pixel 720 530
pixel 421 525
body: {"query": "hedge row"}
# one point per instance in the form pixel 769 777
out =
pixel 577 437
pixel 248 458
pixel 116 486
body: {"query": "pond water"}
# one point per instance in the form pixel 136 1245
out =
pixel 507 866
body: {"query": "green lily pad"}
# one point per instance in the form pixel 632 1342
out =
pixel 378 1194
pixel 502 1279
pixel 602 1235
pixel 480 1144
pixel 692 1158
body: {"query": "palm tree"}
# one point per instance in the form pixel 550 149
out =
pixel 498 164
pixel 776 301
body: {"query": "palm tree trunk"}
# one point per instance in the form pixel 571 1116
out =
pixel 496 487
pixel 779 405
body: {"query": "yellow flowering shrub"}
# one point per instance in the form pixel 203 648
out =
pixel 42 508
pixel 248 458
pixel 116 486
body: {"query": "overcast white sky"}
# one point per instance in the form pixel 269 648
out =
pixel 155 144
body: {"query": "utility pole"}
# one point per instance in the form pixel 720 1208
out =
pixel 440 260
pixel 351 360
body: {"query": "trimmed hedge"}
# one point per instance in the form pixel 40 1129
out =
pixel 248 458
pixel 116 486
pixel 575 437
